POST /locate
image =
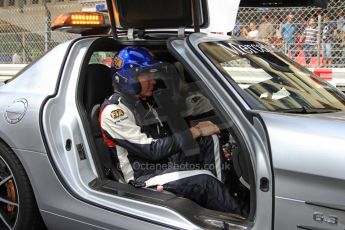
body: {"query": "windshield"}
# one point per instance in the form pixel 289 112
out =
pixel 268 80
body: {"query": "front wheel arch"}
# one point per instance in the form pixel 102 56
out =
pixel 17 200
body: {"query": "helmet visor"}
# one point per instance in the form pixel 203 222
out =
pixel 164 73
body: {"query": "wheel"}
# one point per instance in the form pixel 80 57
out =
pixel 18 208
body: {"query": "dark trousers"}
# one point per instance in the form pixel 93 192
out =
pixel 204 185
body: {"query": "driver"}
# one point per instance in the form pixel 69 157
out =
pixel 147 156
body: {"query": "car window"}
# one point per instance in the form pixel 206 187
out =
pixel 101 57
pixel 201 105
pixel 271 80
pixel 191 103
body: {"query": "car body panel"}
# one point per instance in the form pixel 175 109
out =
pixel 33 84
pixel 309 171
pixel 41 76
pixel 61 210
pixel 295 214
pixel 307 147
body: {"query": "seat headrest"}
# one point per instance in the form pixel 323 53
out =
pixel 98 85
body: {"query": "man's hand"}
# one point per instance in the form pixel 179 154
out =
pixel 204 128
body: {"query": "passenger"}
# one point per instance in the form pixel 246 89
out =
pixel 134 131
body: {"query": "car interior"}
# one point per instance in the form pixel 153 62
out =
pixel 95 84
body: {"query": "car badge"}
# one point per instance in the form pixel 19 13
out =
pixel 16 111
pixel 322 218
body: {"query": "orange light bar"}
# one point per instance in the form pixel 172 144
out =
pixel 90 19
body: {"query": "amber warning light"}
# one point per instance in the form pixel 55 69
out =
pixel 86 19
pixel 80 19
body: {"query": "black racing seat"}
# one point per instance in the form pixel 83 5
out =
pixel 108 158
pixel 98 87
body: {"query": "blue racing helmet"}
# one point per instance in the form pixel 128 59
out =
pixel 127 65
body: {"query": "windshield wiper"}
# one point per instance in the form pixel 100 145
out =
pixel 307 110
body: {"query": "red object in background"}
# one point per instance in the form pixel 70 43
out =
pixel 108 61
pixel 325 74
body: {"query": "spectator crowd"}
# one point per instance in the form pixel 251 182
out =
pixel 312 41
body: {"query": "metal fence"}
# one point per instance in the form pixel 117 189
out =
pixel 311 36
pixel 25 31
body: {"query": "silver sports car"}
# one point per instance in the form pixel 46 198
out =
pixel 282 127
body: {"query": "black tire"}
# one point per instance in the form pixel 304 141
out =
pixel 18 208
